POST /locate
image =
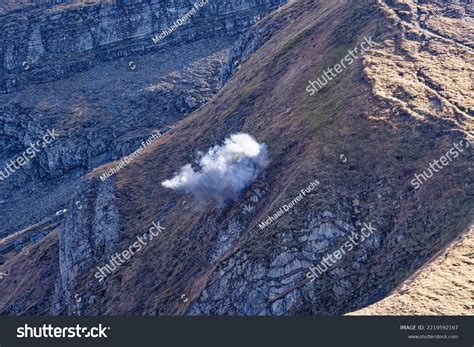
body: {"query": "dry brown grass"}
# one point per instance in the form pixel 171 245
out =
pixel 444 286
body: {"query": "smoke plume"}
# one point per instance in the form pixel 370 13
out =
pixel 224 171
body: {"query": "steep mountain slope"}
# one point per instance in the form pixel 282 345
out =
pixel 31 276
pixel 442 287
pixel 93 73
pixel 363 137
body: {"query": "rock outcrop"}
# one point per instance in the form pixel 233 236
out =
pixel 53 41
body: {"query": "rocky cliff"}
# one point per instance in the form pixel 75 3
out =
pixel 47 42
pixel 92 73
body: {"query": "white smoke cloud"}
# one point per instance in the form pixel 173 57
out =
pixel 224 171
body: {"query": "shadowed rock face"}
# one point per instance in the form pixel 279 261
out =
pixel 389 114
